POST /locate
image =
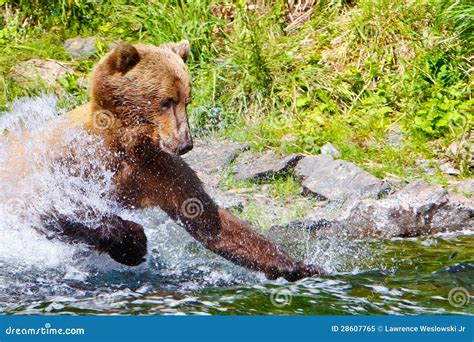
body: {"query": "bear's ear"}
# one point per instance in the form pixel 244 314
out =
pixel 124 57
pixel 181 48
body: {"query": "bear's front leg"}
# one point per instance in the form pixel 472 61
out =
pixel 168 182
pixel 224 234
pixel 125 241
pixel 238 242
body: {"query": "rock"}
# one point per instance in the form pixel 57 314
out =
pixel 454 149
pixel 251 167
pixel 226 199
pixel 427 166
pixel 209 156
pixel 395 136
pixel 461 149
pixel 395 183
pixel 465 187
pixel 288 138
pixel 328 210
pixel 210 180
pixel 449 169
pixel 418 209
pixel 330 150
pixel 113 44
pixel 330 179
pixel 48 71
pixel 81 48
pixel 271 211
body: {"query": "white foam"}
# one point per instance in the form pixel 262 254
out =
pixel 41 183
pixel 32 185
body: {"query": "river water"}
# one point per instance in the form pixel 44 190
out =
pixel 40 275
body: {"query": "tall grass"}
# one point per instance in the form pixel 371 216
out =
pixel 355 73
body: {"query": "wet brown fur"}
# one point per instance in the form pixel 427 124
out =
pixel 130 109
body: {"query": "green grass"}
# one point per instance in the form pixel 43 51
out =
pixel 272 201
pixel 351 75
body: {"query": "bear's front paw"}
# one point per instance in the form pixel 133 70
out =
pixel 303 271
pixel 123 240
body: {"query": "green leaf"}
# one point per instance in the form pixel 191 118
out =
pixel 302 101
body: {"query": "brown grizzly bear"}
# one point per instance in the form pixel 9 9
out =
pixel 138 106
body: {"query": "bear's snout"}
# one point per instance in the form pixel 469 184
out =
pixel 178 143
pixel 184 148
pixel 177 147
pixel 185 139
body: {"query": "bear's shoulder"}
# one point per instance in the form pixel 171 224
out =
pixel 81 114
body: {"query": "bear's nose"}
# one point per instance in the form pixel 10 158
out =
pixel 184 148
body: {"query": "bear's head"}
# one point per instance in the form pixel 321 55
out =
pixel 146 89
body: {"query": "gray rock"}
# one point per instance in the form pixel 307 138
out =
pixel 114 44
pixel 427 166
pixel 418 209
pixel 81 48
pixel 48 71
pixel 395 183
pixel 461 149
pixel 288 138
pixel 209 156
pixel 454 149
pixel 449 169
pixel 330 150
pixel 251 167
pixel 465 187
pixel 395 136
pixel 330 179
pixel 226 199
pixel 327 210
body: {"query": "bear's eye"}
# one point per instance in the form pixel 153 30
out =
pixel 166 103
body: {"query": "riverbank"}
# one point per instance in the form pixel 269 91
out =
pixel 394 99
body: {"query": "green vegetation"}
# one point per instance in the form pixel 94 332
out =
pixel 388 82
pixel 272 201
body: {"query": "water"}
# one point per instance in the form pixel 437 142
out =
pixel 40 275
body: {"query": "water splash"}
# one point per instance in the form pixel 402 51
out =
pixel 35 184
pixel 39 274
